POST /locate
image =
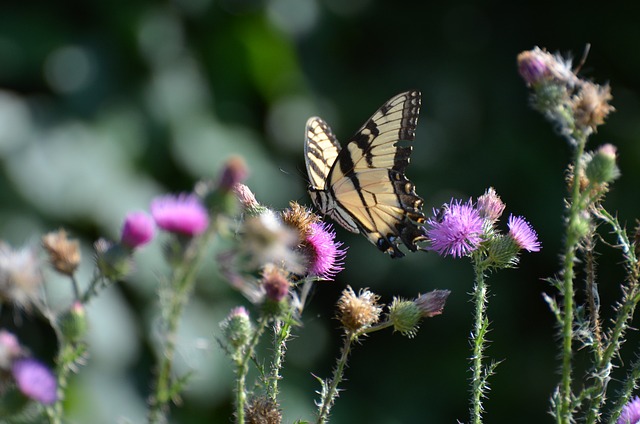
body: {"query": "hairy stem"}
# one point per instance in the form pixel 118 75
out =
pixel 329 396
pixel 282 333
pixel 242 368
pixel 480 328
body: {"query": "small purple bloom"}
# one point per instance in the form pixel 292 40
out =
pixel 184 214
pixel 523 234
pixel 324 253
pixel 457 231
pixel 35 380
pixel 138 229
pixel 630 413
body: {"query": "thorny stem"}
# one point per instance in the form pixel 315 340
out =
pixel 481 325
pixel 623 317
pixel 242 369
pixel 282 333
pixel 68 356
pixel 330 395
pixel 571 244
pixel 181 285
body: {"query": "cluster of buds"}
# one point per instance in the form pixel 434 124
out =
pixel 576 105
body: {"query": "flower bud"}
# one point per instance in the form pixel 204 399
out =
pixel 405 316
pixel 490 206
pixel 533 66
pixel 138 230
pixel 237 328
pixel 432 303
pixel 113 260
pixel 10 349
pixel 601 166
pixel 73 323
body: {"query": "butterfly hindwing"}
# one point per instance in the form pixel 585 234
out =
pixel 363 186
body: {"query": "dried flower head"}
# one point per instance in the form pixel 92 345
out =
pixel 138 230
pixel 490 206
pixel 35 380
pixel 20 276
pixel 299 218
pixel 261 410
pixel 591 105
pixel 523 234
pixel 182 214
pixel 630 413
pixel 457 231
pixel 64 254
pixel 360 311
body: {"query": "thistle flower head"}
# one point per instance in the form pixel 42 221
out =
pixel 490 206
pixel 20 276
pixel 261 410
pixel 10 349
pixel 64 254
pixel 275 283
pixel 183 214
pixel 591 105
pixel 138 230
pixel 247 199
pixel 457 231
pixel 630 413
pixel 324 254
pixel 523 234
pixel 35 380
pixel 358 311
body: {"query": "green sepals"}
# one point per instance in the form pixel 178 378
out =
pixel 502 251
pixel 73 323
pixel 601 167
pixel 405 316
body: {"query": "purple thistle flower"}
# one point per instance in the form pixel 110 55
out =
pixel 325 255
pixel 183 214
pixel 457 231
pixel 35 380
pixel 630 413
pixel 523 234
pixel 138 229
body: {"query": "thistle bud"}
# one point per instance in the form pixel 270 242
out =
pixel 237 328
pixel 533 66
pixel 601 166
pixel 405 316
pixel 113 260
pixel 490 206
pixel 138 230
pixel 73 323
pixel 432 303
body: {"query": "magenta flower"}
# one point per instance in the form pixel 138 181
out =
pixel 325 255
pixel 138 229
pixel 630 413
pixel 183 214
pixel 35 380
pixel 523 234
pixel 457 231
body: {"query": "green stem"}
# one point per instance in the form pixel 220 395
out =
pixel 68 357
pixel 571 244
pixel 181 286
pixel 329 396
pixel 242 369
pixel 481 325
pixel 280 345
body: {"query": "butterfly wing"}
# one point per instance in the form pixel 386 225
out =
pixel 367 180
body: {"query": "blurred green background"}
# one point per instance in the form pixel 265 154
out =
pixel 104 105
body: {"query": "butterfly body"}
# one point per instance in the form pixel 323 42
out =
pixel 363 186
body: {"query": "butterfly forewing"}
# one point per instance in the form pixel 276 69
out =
pixel 364 184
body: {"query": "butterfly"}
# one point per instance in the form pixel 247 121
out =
pixel 363 186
